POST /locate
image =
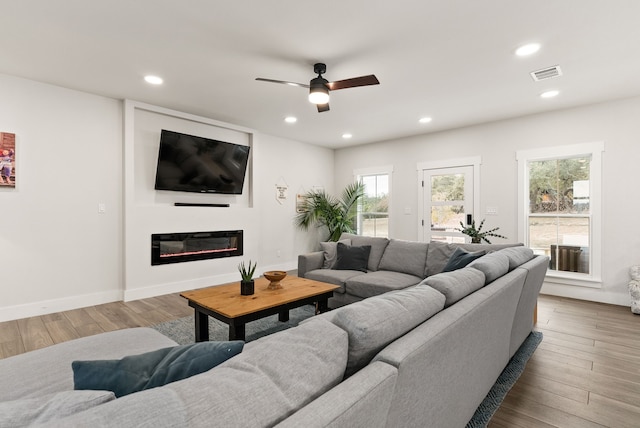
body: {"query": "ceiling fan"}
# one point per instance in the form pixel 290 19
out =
pixel 319 87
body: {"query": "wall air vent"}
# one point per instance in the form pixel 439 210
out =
pixel 546 73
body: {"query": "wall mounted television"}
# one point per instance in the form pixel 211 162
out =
pixel 187 163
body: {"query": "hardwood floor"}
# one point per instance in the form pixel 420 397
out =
pixel 585 373
pixel 28 334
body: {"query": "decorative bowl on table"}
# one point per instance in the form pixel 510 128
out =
pixel 275 276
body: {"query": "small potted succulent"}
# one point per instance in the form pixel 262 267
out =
pixel 246 272
pixel 477 236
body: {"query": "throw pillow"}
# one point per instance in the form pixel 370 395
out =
pixel 152 369
pixel 330 250
pixel 29 411
pixel 352 258
pixel 460 258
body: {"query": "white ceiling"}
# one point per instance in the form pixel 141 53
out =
pixel 452 60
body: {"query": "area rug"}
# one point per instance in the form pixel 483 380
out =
pixel 505 381
pixel 182 332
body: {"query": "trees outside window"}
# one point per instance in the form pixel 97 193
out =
pixel 560 208
pixel 373 208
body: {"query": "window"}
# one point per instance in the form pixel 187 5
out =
pixel 373 209
pixel 560 209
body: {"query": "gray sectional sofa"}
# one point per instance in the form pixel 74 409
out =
pixel 424 355
pixel 393 264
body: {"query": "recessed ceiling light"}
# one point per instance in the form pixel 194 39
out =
pixel 529 49
pixel 549 94
pixel 290 119
pixel 154 80
pixel 346 136
pixel 425 120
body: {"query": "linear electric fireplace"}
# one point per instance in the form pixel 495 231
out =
pixel 186 247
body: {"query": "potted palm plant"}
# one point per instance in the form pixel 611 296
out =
pixel 246 272
pixel 477 235
pixel 338 215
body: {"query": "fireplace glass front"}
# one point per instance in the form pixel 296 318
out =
pixel 186 247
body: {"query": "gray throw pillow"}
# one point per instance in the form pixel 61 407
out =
pixel 352 257
pixel 330 250
pixel 460 258
pixel 152 369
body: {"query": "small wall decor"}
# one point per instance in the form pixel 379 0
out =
pixel 7 159
pixel 282 190
pixel 300 199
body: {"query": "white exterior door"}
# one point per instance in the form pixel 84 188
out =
pixel 447 201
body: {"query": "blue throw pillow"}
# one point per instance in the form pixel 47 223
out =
pixel 460 258
pixel 152 369
pixel 352 257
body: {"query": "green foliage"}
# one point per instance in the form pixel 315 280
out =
pixel 338 215
pixel 477 235
pixel 551 183
pixel 247 271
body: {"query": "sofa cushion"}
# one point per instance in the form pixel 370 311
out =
pixel 373 323
pixel 40 410
pixel 404 256
pixel 330 250
pixel 157 407
pixel 517 256
pixel 272 378
pixel 460 258
pixel 377 247
pixel 352 257
pixel 152 369
pixel 439 253
pixel 24 375
pixel 493 265
pixel 332 276
pixel 375 283
pixel 456 284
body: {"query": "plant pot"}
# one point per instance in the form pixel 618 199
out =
pixel 246 288
pixel 476 240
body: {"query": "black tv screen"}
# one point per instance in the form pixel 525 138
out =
pixel 187 163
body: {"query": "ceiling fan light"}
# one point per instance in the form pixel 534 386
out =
pixel 318 95
pixel 318 91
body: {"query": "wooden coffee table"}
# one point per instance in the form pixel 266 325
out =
pixel 225 303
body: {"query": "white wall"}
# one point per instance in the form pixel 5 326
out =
pixel 614 123
pixel 58 253
pixel 269 234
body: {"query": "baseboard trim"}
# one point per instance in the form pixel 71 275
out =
pixel 44 307
pixel 584 293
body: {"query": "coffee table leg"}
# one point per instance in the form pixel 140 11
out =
pixel 202 326
pixel 322 305
pixel 283 316
pixel 236 332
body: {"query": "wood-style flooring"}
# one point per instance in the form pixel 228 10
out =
pixel 585 373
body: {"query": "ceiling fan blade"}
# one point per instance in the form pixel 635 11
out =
pixel 323 107
pixel 283 82
pixel 354 82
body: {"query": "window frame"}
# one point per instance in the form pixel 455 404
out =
pixel 594 150
pixel 379 170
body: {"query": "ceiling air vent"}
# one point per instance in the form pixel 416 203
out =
pixel 546 73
